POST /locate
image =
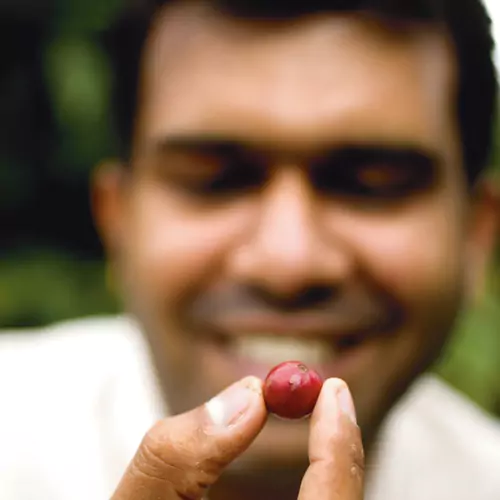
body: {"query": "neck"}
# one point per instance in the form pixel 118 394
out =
pixel 283 484
pixel 230 489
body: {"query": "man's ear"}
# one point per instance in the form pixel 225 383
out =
pixel 483 233
pixel 108 204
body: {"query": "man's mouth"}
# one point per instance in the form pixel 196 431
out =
pixel 252 342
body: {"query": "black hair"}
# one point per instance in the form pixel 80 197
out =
pixel 467 22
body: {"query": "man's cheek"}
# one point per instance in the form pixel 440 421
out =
pixel 174 254
pixel 413 264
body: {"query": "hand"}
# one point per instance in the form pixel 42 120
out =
pixel 181 457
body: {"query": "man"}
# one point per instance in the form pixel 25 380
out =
pixel 299 180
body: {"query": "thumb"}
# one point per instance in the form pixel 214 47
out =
pixel 336 470
pixel 182 456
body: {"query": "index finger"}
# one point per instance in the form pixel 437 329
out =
pixel 336 470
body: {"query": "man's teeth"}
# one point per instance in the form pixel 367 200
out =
pixel 274 350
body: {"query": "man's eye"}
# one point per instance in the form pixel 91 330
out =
pixel 371 181
pixel 387 178
pixel 204 176
pixel 379 177
pixel 228 181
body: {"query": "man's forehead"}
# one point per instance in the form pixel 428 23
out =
pixel 199 64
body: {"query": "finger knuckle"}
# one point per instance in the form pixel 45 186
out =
pixel 357 457
pixel 156 458
pixel 172 462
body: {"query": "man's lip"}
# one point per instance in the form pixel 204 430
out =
pixel 294 326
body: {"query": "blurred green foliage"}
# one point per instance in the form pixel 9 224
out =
pixel 54 96
pixel 40 286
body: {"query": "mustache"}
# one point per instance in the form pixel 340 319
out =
pixel 353 308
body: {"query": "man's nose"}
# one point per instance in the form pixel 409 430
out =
pixel 289 248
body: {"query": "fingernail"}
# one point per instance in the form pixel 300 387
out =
pixel 227 408
pixel 346 403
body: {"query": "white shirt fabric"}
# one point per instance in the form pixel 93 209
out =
pixel 76 399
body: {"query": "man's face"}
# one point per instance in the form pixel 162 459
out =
pixel 296 192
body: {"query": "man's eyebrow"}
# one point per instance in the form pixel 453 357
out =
pixel 408 154
pixel 414 152
pixel 198 143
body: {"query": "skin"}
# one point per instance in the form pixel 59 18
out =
pixel 292 94
pixel 163 470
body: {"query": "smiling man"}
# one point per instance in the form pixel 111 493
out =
pixel 299 181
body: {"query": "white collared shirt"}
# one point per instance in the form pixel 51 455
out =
pixel 77 398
